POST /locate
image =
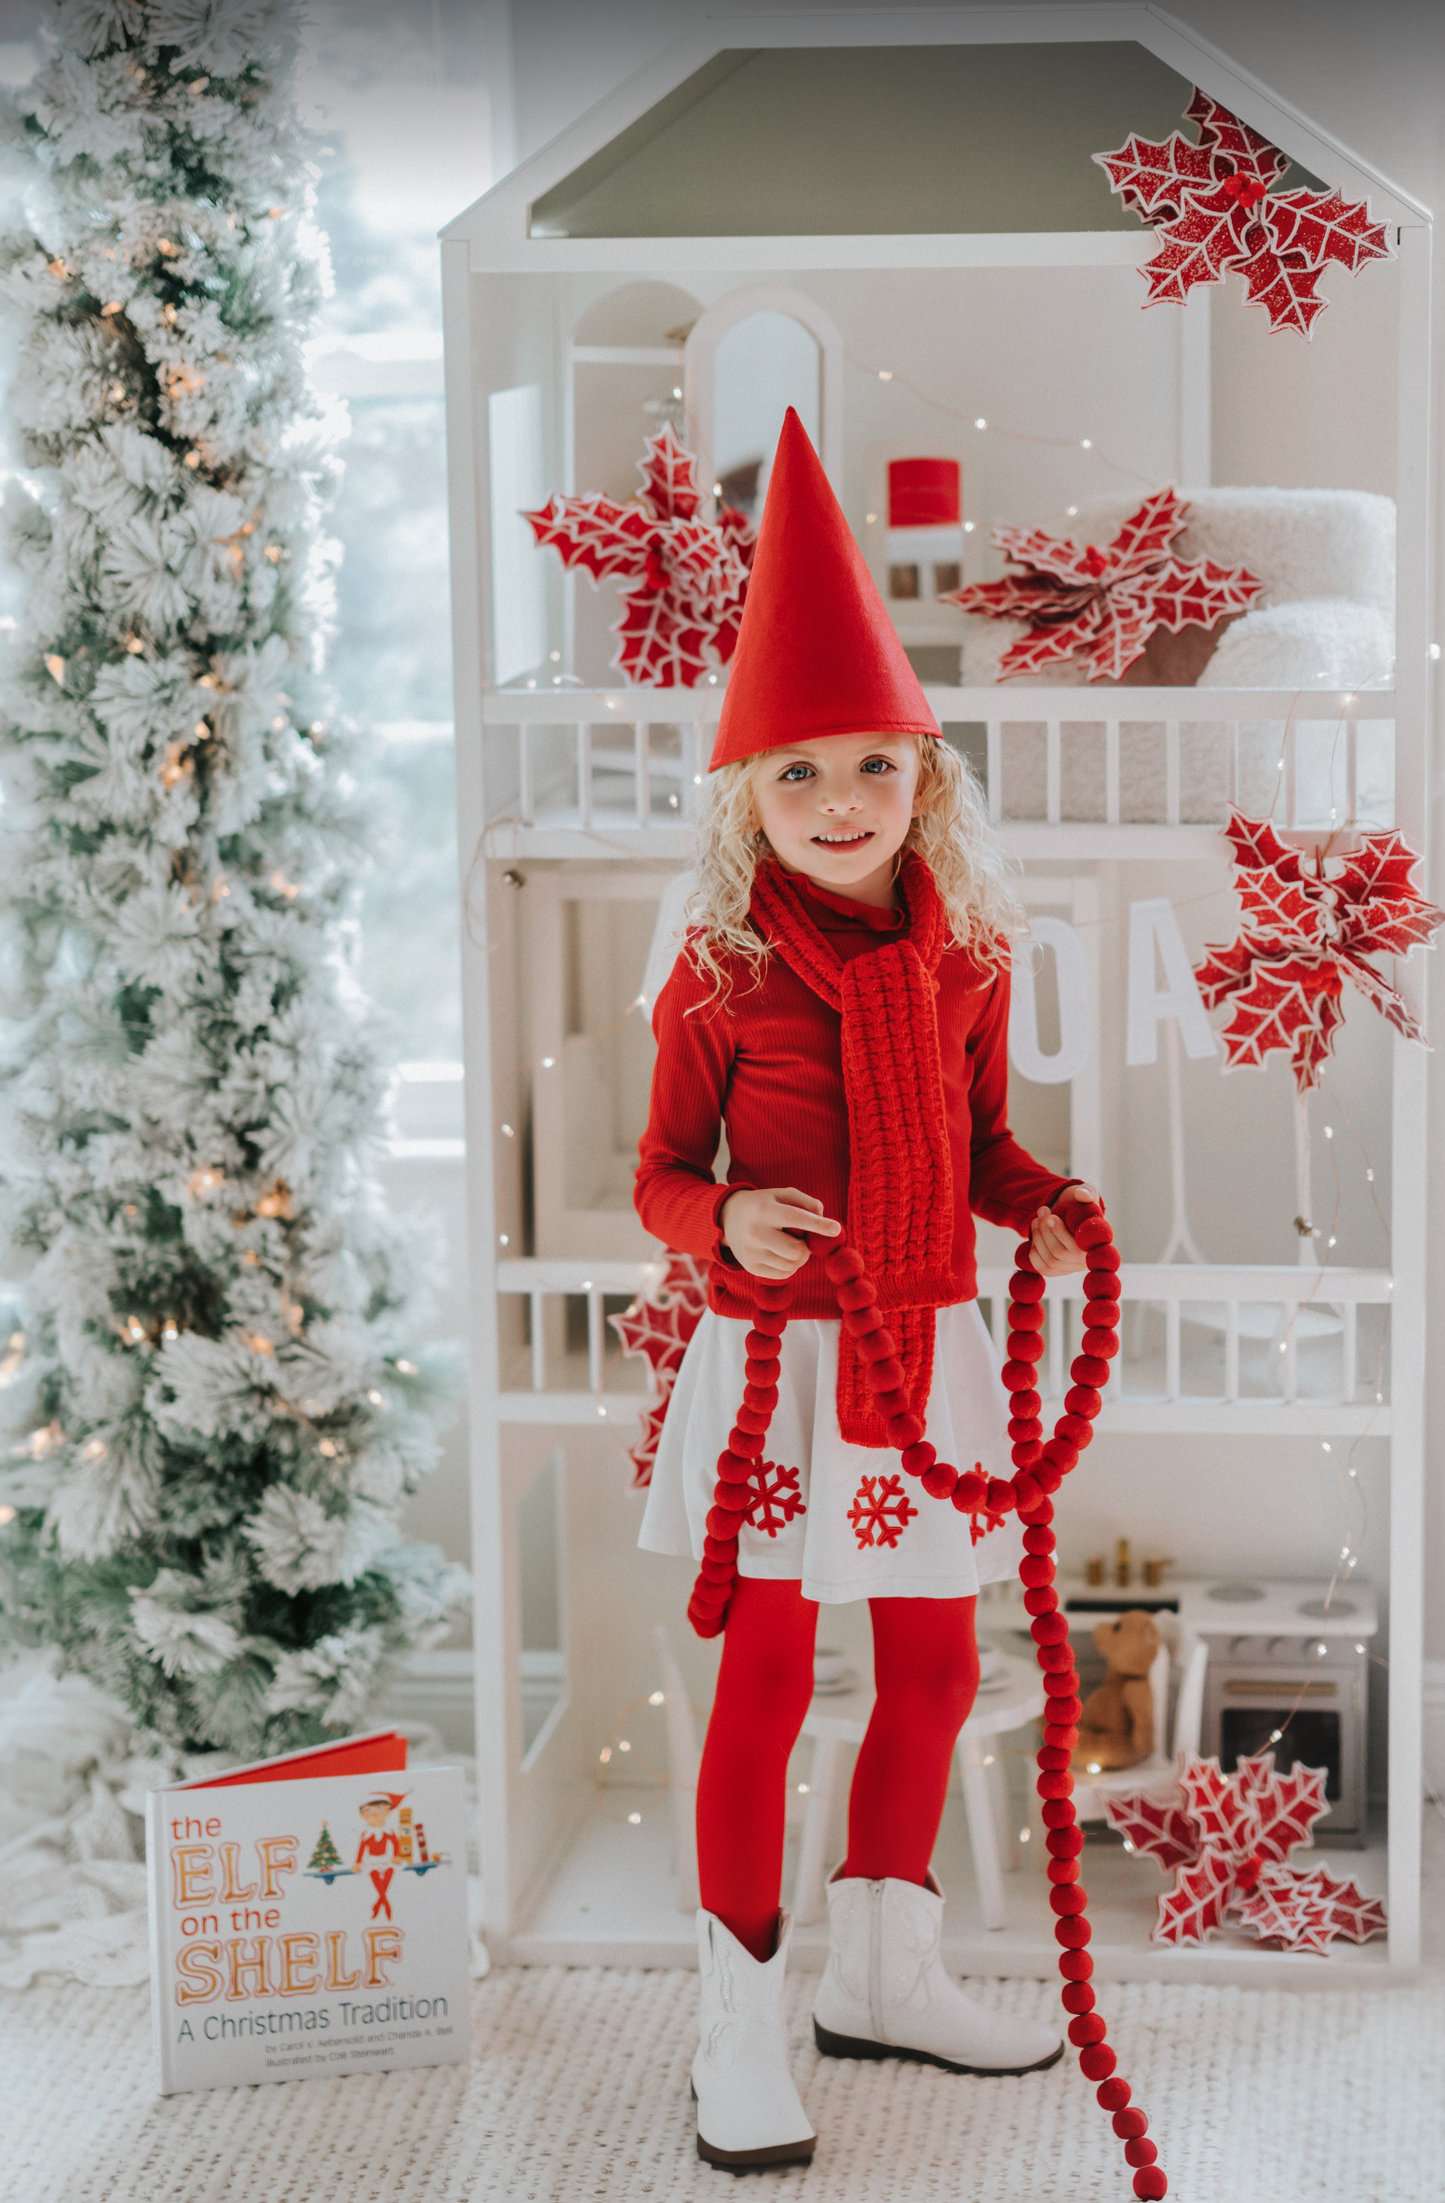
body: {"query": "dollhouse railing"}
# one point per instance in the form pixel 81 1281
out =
pixel 629 761
pixel 1206 1347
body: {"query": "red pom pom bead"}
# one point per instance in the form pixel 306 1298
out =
pixel 1102 1315
pixel 749 1443
pixel 1104 1344
pixel 891 1403
pixel 1059 1813
pixel 1098 2062
pixel 1040 1598
pixel 1087 1369
pixel 1140 2151
pixel 1034 1568
pixel 918 1457
pixel 970 1492
pixel 1018 1376
pixel 1060 1455
pixel 1039 1539
pixel 716 1571
pixel 940 1482
pixel 1057 1659
pixel 1104 1258
pixel 1087 2029
pixel 904 1431
pixel 1065 1843
pixel 885 1376
pixel 1113 2095
pixel 1064 1734
pixel 1049 1629
pixel 723 1525
pixel 1027 1491
pixel 1026 1405
pixel 1074 1934
pixel 1062 1870
pixel 1025 1286
pixel 1077 1966
pixel 1129 2125
pixel 1092 1232
pixel 1027 1315
pixel 1059 1786
pixel 1078 1996
pixel 1150 2184
pixel 1051 1760
pixel 878 1346
pixel 843 1265
pixel 1026 1451
pixel 1025 1346
pixel 857 1294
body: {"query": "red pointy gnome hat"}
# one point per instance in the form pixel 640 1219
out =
pixel 817 653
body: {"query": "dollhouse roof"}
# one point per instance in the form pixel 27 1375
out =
pixel 920 123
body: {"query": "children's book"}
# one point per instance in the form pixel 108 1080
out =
pixel 308 1915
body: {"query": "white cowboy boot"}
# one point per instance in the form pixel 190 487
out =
pixel 748 2111
pixel 885 1991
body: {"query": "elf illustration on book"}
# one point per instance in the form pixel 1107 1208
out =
pixel 380 1842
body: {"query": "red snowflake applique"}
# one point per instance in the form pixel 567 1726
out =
pixel 776 1500
pixel 1305 930
pixel 1228 1837
pixel 881 1511
pixel 685 577
pixel 1102 604
pixel 658 1326
pixel 1213 210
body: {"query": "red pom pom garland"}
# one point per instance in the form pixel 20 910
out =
pixel 1040 1465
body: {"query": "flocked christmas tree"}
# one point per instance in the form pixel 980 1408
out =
pixel 215 1416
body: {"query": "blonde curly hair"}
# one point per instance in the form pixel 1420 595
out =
pixel 950 832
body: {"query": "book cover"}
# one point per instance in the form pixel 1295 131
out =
pixel 308 1916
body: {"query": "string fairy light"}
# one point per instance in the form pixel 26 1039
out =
pixel 983 426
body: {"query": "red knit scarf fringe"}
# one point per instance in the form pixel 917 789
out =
pixel 1040 1467
pixel 900 1188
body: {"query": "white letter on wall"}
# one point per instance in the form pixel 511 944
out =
pixel 1153 925
pixel 1071 977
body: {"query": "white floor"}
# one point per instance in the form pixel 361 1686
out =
pixel 577 2091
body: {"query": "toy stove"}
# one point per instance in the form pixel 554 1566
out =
pixel 1285 1657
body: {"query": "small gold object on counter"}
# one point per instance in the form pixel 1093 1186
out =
pixel 1123 1565
pixel 1094 1569
pixel 1154 1571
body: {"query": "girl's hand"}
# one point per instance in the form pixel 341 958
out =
pixel 761 1229
pixel 1056 1252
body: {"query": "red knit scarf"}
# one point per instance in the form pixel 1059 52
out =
pixel 900 1186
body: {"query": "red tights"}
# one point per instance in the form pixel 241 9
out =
pixel 925 1667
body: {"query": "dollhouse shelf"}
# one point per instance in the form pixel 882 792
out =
pixel 1243 1350
pixel 1089 772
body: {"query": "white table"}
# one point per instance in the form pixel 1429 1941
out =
pixel 1016 1699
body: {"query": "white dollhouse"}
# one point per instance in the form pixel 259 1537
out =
pixel 891 220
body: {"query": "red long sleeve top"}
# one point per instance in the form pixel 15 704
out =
pixel 765 1062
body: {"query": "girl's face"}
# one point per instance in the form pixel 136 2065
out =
pixel 838 809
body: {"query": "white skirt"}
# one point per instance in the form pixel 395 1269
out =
pixel 843 1519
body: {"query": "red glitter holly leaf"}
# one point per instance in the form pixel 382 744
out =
pixel 685 578
pixel 1352 1915
pixel 592 532
pixel 1157 1826
pixel 1199 245
pixel 1222 1812
pixel 1286 1002
pixel 657 1328
pixel 1302 934
pixel 1288 1807
pixel 1099 602
pixel 669 475
pixel 1231 142
pixel 1198 595
pixel 1214 211
pixel 1194 1908
pixel 1285 290
pixel 1380 911
pixel 1323 226
pixel 1280 1910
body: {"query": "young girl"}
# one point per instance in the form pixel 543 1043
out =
pixel 840 1010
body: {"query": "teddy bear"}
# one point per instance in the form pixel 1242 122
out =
pixel 1116 1726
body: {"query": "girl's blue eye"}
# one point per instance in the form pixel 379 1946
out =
pixel 877 765
pixel 796 772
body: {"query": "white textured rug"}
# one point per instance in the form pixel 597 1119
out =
pixel 577 2090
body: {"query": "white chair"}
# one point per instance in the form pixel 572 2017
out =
pixel 834 1722
pixel 1155 1776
